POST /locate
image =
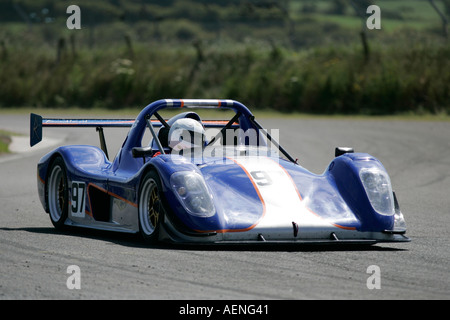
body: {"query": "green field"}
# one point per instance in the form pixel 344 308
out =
pixel 288 56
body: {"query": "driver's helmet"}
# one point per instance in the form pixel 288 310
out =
pixel 186 133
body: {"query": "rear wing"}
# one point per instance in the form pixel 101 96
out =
pixel 37 123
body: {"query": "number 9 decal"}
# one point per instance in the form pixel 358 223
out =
pixel 78 196
pixel 261 178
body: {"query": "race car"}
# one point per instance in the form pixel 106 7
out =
pixel 237 185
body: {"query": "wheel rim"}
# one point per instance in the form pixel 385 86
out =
pixel 56 194
pixel 149 207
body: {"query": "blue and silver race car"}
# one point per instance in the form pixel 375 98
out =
pixel 236 185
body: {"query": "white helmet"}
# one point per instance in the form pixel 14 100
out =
pixel 185 134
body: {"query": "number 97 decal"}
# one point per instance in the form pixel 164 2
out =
pixel 78 196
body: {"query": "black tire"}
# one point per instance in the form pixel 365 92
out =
pixel 58 193
pixel 151 207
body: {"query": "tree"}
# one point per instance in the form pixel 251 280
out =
pixel 360 9
pixel 442 16
pixel 447 6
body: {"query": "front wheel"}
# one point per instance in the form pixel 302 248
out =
pixel 57 193
pixel 151 208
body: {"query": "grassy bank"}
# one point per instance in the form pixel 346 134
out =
pixel 396 79
pixel 290 56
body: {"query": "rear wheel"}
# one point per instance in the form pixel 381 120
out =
pixel 57 193
pixel 151 208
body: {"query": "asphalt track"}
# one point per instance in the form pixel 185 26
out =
pixel 35 257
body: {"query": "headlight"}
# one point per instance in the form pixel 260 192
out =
pixel 193 194
pixel 378 189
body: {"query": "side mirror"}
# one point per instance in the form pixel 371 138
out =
pixel 141 152
pixel 339 151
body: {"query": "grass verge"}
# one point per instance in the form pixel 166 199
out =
pixel 5 140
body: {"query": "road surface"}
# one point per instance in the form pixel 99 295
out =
pixel 35 257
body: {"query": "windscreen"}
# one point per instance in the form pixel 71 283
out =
pixel 221 139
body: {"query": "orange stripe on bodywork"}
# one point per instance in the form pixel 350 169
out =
pixel 40 179
pixel 114 195
pixel 108 193
pixel 260 198
pixel 299 195
pixel 217 122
